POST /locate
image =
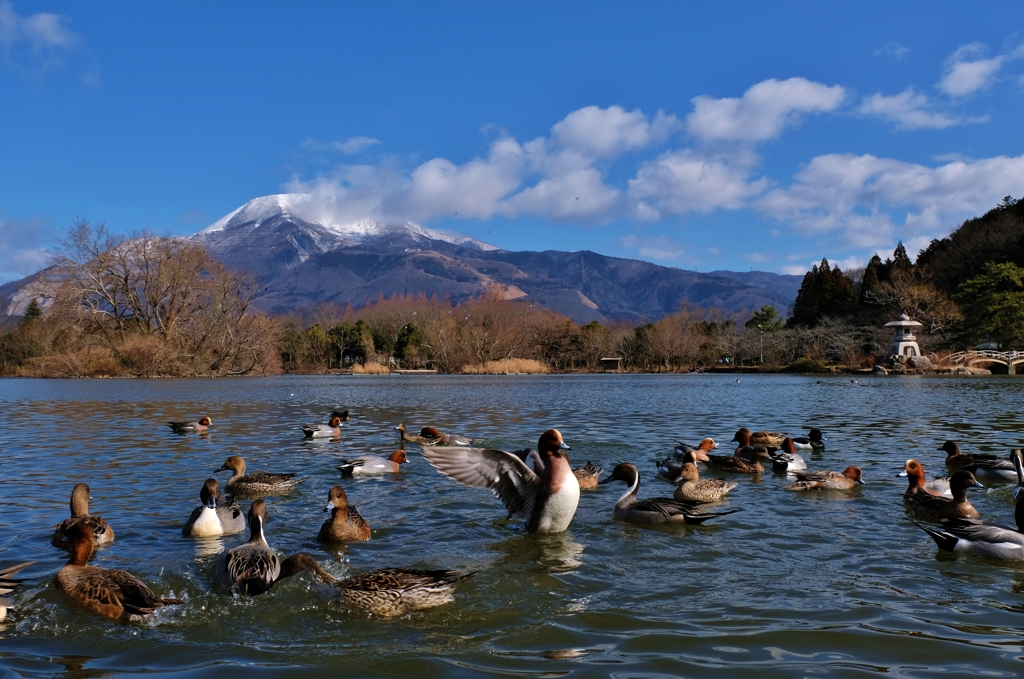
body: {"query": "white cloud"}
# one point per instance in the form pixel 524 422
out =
pixel 608 132
pixel 894 50
pixel 684 181
pixel 857 194
pixel 34 43
pixel 22 250
pixel 577 195
pixel 966 73
pixel 911 110
pixel 660 248
pixel 763 110
pixel 349 146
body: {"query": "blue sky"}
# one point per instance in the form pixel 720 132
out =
pixel 704 136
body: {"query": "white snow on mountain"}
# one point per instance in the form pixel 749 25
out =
pixel 299 206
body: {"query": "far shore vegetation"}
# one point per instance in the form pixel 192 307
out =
pixel 147 306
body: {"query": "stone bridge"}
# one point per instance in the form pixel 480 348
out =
pixel 1011 359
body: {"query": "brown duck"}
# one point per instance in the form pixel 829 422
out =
pixel 112 593
pixel 345 524
pixel 102 533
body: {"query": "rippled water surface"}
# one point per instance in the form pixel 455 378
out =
pixel 836 584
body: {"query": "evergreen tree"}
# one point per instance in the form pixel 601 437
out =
pixel 825 291
pixel 870 282
pixel 32 312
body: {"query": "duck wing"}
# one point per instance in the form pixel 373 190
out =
pixel 252 570
pixel 686 508
pixel 7 580
pixel 504 474
pixel 395 591
pixel 265 477
pixel 819 476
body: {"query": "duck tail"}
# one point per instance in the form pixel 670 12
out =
pixel 701 518
pixel 945 541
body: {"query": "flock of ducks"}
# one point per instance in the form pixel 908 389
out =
pixel 536 486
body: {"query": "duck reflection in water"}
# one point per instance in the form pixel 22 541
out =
pixel 554 552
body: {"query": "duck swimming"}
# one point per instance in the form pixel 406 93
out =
pixel 257 483
pixel 545 501
pixel 992 540
pixel 331 430
pixel 374 464
pixel 8 583
pixel 938 507
pixel 432 436
pixel 916 483
pixel 345 524
pixel 387 592
pixel 845 480
pixel 695 489
pixel 787 459
pixel 252 567
pixel 183 427
pixel 746 459
pixel 112 593
pixel 701 449
pixel 813 441
pixel 768 439
pixel 216 516
pixel 656 509
pixel 983 466
pixel 103 534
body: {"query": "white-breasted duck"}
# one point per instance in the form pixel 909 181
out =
pixel 331 430
pixel 827 480
pixel 983 466
pixel 345 524
pixel 992 540
pixel 103 534
pixel 787 459
pixel 655 509
pixel 939 507
pixel 113 593
pixel 546 502
pixel 587 476
pixel 256 483
pixel 916 482
pixel 185 426
pixel 252 567
pixel 8 583
pixel 813 441
pixel 374 464
pixel 217 515
pixel 701 449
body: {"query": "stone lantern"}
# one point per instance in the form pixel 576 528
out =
pixel 904 344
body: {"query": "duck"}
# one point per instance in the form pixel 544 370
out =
pixel 545 501
pixel 387 592
pixel 374 464
pixel 938 507
pixel 992 540
pixel 768 439
pixel 701 449
pixel 655 509
pixel 587 476
pixel 8 583
pixel 345 524
pixel 113 593
pixel 694 488
pixel 252 567
pixel 331 430
pixel 916 483
pixel 827 480
pixel 103 534
pixel 215 516
pixel 257 483
pixel 202 424
pixel 984 466
pixel 813 441
pixel 746 460
pixel 342 415
pixel 432 436
pixel 787 459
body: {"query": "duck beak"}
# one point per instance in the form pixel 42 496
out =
pixel 222 468
pixel 902 473
pixel 860 481
pixel 1017 491
pixel 330 506
pixel 605 480
pixel 211 502
pixel 978 485
pixel 564 446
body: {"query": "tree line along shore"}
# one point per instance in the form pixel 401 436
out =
pixel 146 306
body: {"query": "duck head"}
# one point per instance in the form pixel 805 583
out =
pixel 688 473
pixel 205 421
pixel 257 518
pixel 551 444
pixel 335 422
pixel 853 473
pixel 788 446
pixel 80 500
pixel 961 481
pixel 707 444
pixel 815 435
pixel 623 471
pixel 336 498
pixel 914 472
pixel 951 448
pixel 430 433
pixel 742 437
pixel 210 493
pixel 398 457
pixel 235 463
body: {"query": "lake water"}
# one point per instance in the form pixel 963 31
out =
pixel 826 584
